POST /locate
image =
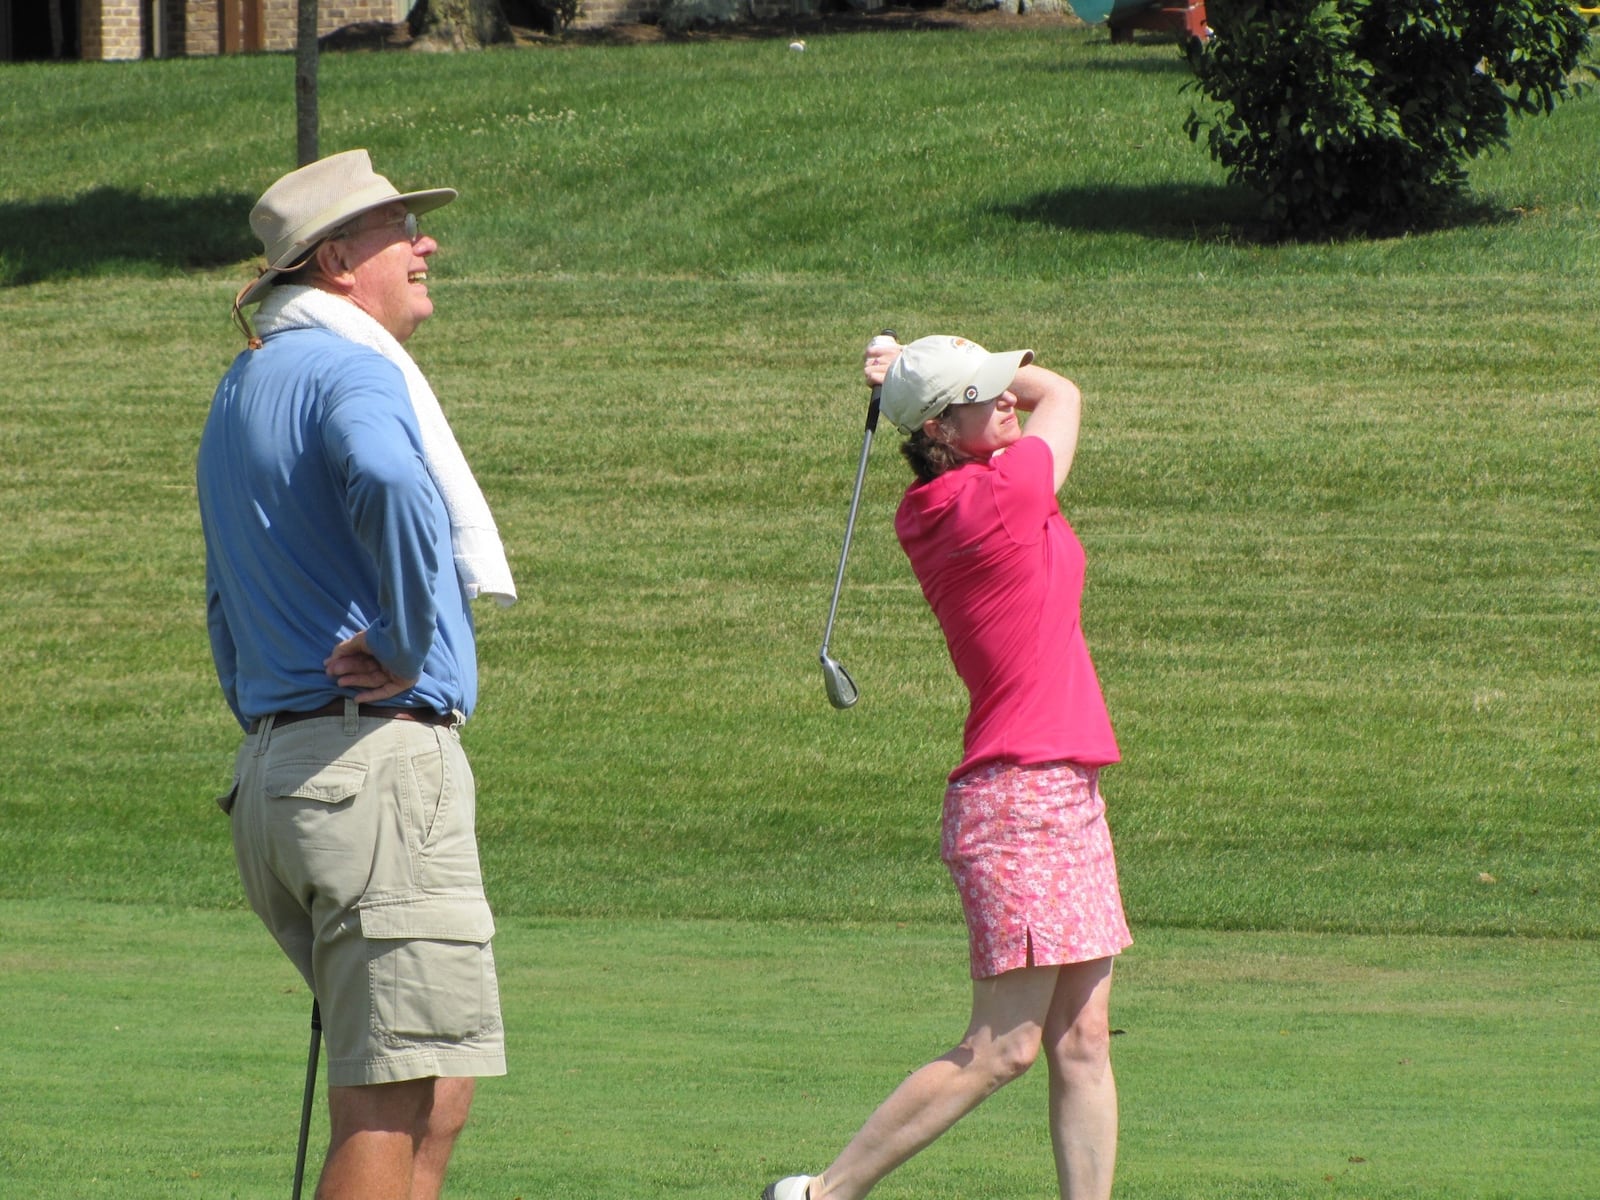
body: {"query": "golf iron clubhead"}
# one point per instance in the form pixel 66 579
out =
pixel 836 681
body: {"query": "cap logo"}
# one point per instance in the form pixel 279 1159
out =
pixel 971 394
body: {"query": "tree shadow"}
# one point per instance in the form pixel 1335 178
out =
pixel 1220 212
pixel 118 229
pixel 1173 211
pixel 1147 64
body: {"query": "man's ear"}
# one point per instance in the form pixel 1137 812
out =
pixel 332 264
pixel 933 429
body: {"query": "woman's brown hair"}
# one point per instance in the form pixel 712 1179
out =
pixel 929 457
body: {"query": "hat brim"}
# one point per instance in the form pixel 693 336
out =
pixel 996 375
pixel 417 202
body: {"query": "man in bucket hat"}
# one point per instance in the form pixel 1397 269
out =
pixel 345 539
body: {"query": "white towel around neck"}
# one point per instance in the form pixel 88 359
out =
pixel 479 555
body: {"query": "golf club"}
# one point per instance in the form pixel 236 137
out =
pixel 305 1104
pixel 841 689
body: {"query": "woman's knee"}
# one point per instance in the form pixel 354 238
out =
pixel 1005 1057
pixel 1078 1030
pixel 1009 1013
pixel 1080 1050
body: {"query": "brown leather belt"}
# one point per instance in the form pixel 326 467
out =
pixel 336 709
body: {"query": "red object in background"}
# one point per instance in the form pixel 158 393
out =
pixel 1187 17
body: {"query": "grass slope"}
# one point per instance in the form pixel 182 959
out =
pixel 1337 498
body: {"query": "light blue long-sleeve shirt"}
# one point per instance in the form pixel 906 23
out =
pixel 321 520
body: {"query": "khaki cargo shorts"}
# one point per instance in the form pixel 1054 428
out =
pixel 356 845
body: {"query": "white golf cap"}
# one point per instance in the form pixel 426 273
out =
pixel 932 373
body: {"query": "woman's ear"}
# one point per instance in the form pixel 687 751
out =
pixel 933 429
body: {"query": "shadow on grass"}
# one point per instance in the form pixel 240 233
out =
pixel 1155 57
pixel 922 16
pixel 116 228
pixel 1220 213
pixel 1178 211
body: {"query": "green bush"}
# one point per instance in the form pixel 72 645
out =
pixel 1359 116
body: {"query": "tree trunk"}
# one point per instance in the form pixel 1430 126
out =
pixel 305 83
pixel 458 24
pixel 58 32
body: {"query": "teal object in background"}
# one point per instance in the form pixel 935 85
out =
pixel 1186 18
pixel 1092 12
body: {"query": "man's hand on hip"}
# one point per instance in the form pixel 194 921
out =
pixel 352 664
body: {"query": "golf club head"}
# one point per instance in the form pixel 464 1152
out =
pixel 837 683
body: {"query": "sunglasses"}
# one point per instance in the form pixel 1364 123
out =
pixel 412 230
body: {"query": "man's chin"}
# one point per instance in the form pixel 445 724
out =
pixel 419 314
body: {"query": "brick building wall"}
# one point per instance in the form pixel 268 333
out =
pixel 116 29
pixel 201 30
pixel 111 29
pixel 597 14
pixel 278 20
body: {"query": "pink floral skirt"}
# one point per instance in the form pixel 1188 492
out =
pixel 1030 853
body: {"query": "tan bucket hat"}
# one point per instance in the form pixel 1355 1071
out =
pixel 306 205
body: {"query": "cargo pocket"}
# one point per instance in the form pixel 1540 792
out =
pixel 327 782
pixel 431 967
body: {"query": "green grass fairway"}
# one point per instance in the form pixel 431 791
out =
pixel 157 1053
pixel 1340 503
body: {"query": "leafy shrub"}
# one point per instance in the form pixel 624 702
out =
pixel 1359 116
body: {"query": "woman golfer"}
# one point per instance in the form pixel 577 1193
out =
pixel 1024 831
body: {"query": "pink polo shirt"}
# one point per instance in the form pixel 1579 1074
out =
pixel 1003 573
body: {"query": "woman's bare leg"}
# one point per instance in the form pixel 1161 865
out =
pixel 1009 1014
pixel 1083 1091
